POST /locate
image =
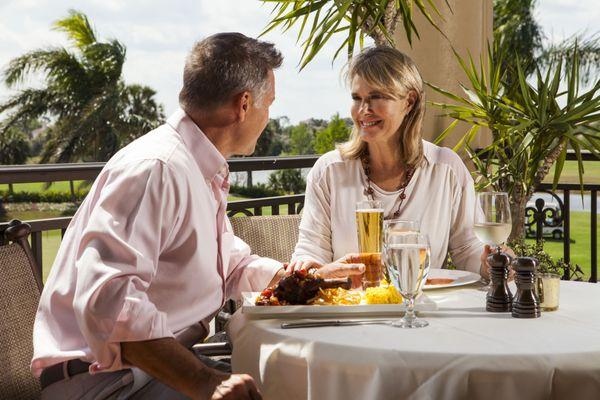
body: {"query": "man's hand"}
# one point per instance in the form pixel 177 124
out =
pixel 171 363
pixel 347 266
pixel 232 387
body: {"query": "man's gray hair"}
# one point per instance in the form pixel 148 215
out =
pixel 224 65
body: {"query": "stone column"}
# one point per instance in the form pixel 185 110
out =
pixel 469 28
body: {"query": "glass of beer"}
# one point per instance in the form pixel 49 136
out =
pixel 369 226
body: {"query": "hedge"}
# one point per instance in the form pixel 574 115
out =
pixel 41 197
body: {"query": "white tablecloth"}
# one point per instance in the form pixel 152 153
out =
pixel 465 353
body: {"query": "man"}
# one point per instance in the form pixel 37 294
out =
pixel 149 257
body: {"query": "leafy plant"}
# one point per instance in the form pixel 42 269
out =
pixel 256 191
pixel 319 20
pixel 532 125
pixel 545 262
pixel 49 196
pixel 93 112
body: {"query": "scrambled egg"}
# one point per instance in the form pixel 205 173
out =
pixel 384 294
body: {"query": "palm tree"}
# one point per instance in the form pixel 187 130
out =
pixel 92 111
pixel 516 29
pixel 355 19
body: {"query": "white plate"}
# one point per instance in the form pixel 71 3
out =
pixel 423 303
pixel 461 278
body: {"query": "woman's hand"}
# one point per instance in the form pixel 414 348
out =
pixel 347 266
pixel 485 266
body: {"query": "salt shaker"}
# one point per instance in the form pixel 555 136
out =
pixel 499 297
pixel 526 303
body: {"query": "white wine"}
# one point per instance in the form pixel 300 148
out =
pixel 408 266
pixel 369 224
pixel 492 232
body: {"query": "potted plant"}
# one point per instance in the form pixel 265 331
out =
pixel 549 272
pixel 532 126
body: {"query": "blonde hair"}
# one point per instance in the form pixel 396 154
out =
pixel 391 72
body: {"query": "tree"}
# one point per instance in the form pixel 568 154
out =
pixel 288 181
pixel 301 140
pixel 337 131
pixel 273 140
pixel 92 111
pixel 14 147
pixel 355 19
pixel 518 33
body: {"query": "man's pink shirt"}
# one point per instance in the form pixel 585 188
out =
pixel 149 252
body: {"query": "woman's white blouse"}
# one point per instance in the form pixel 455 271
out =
pixel 441 196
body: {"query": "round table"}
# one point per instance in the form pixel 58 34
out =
pixel 465 352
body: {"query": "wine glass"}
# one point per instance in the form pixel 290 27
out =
pixel 492 223
pixel 406 256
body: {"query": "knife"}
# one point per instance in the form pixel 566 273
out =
pixel 333 322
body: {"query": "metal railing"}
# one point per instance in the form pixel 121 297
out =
pixel 291 204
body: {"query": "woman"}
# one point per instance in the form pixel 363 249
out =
pixel 386 159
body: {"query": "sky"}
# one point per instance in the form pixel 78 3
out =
pixel 158 34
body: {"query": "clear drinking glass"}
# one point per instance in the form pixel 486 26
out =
pixel 369 226
pixel 392 226
pixel 492 222
pixel 406 256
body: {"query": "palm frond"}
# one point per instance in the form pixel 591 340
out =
pixel 588 48
pixel 320 20
pixel 78 29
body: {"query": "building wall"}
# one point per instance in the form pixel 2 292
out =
pixel 469 28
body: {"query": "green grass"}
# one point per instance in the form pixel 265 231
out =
pixel 570 174
pixel 39 187
pixel 580 242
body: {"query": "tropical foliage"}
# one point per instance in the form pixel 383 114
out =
pixel 516 28
pixel 320 20
pixel 14 147
pixel 92 111
pixel 532 125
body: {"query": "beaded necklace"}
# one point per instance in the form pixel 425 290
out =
pixel 369 192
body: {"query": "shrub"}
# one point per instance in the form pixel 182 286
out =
pixel 41 197
pixel 255 191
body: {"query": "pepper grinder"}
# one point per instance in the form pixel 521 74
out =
pixel 499 298
pixel 526 303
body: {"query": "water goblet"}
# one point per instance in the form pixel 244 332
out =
pixel 406 256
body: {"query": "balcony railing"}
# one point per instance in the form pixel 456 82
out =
pixel 293 204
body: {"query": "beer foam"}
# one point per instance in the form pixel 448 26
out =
pixel 365 210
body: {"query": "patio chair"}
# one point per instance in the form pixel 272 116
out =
pixel 20 285
pixel 272 236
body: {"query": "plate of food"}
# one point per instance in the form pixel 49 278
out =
pixel 305 294
pixel 445 278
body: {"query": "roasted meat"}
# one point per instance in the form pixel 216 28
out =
pixel 299 288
